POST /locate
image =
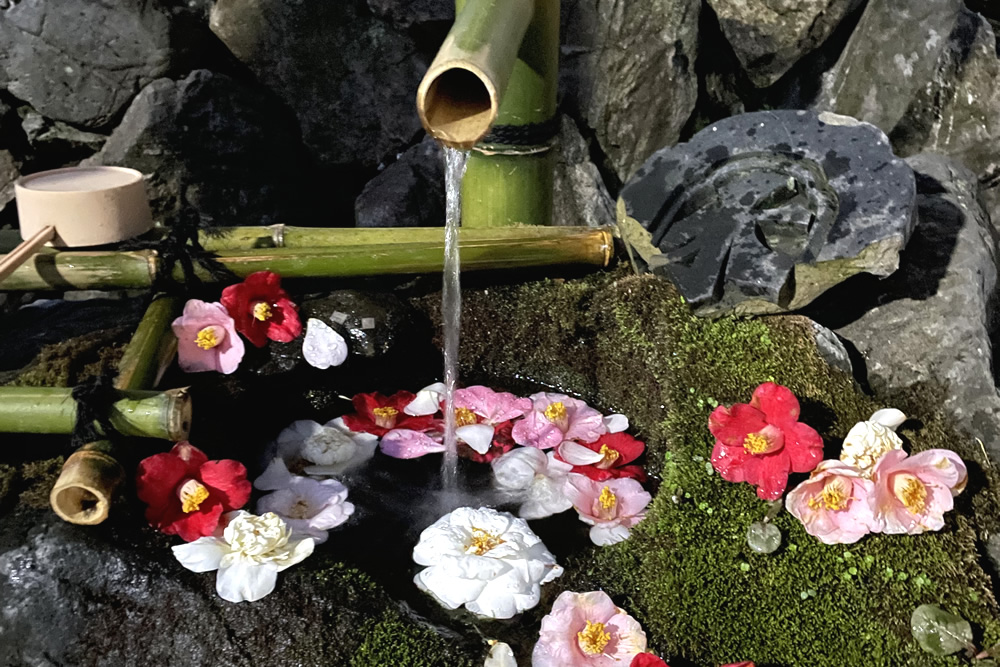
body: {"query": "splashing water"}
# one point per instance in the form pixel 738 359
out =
pixel 451 309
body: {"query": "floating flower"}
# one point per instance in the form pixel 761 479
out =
pixel 186 494
pixel 607 457
pixel 491 407
pixel 323 347
pixel 501 444
pixel 402 443
pixel 612 507
pixel 834 504
pixel 868 441
pixel 327 449
pixel 761 443
pixel 262 310
pixel 648 660
pixel 539 477
pixel 427 401
pixel 378 414
pixel 912 493
pixel 587 630
pixel 249 555
pixel 555 418
pixel 309 507
pixel 207 339
pixel 488 561
pixel 501 655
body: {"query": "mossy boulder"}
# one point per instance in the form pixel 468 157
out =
pixel 630 344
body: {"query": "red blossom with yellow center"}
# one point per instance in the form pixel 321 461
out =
pixel 378 414
pixel 608 457
pixel 186 494
pixel 262 310
pixel 762 442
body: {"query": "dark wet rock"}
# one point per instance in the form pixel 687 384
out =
pixel 81 61
pixel 765 211
pixel 579 194
pixel 349 77
pixel 930 322
pixel 628 72
pixel 405 14
pixel 769 36
pixel 925 73
pixel 215 144
pixel 56 144
pixel 832 349
pixel 9 173
pixel 408 193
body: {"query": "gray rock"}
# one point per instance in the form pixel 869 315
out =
pixel 580 196
pixel 407 13
pixel 408 193
pixel 350 78
pixel 832 349
pixel 57 143
pixel 627 70
pixel 82 61
pixel 925 73
pixel 929 323
pixel 765 211
pixel 769 36
pixel 9 173
pixel 214 143
pixel 374 324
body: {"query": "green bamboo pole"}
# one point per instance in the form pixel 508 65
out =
pixel 113 270
pixel 150 348
pixel 508 185
pixel 148 414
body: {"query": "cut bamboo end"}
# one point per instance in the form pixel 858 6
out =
pixel 457 103
pixel 179 413
pixel 86 486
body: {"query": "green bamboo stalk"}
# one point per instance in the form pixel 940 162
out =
pixel 111 270
pixel 148 414
pixel 150 346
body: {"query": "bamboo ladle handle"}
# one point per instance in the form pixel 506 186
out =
pixel 28 247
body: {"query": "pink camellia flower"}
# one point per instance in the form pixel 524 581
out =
pixel 404 443
pixel 834 504
pixel 612 506
pixel 207 339
pixel 912 493
pixel 492 407
pixel 555 418
pixel 587 630
pixel 761 443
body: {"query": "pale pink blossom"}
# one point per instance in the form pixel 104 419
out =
pixel 912 493
pixel 555 418
pixel 493 407
pixel 834 504
pixel 404 443
pixel 587 630
pixel 207 339
pixel 611 506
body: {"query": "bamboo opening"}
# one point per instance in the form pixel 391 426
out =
pixel 458 105
pixel 86 485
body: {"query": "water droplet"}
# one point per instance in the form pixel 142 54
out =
pixel 764 538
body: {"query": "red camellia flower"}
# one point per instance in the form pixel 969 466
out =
pixel 605 458
pixel 262 310
pixel 378 414
pixel 647 660
pixel 502 443
pixel 761 443
pixel 186 493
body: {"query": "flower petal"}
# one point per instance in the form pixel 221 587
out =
pixel 616 423
pixel 778 403
pixel 229 479
pixel 203 555
pixel 427 402
pixel 246 581
pixel 477 436
pixel 731 425
pixel 891 418
pixel 407 444
pixel 275 476
pixel 578 455
pixel 322 346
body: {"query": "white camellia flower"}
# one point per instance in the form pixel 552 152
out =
pixel 323 347
pixel 537 477
pixel 487 560
pixel 500 655
pixel 309 507
pixel 249 555
pixel 868 441
pixel 332 448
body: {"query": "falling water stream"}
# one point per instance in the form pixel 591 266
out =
pixel 451 309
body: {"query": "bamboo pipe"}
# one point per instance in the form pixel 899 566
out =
pixel 88 480
pixel 146 414
pixel 458 99
pixel 517 248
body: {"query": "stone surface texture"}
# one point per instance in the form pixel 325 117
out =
pixel 210 142
pixel 925 73
pixel 9 173
pixel 349 77
pixel 931 321
pixel 82 61
pixel 407 13
pixel 765 211
pixel 407 193
pixel 628 70
pixel 769 36
pixel 580 196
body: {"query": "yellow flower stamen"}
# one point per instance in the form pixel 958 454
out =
pixel 832 497
pixel 207 338
pixel 482 541
pixel 465 417
pixel 609 456
pixel 262 311
pixel 192 494
pixel 593 639
pixel 607 499
pixel 755 444
pixel 385 417
pixel 913 494
pixel 556 412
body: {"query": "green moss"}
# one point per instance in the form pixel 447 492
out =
pixel 630 344
pixel 70 362
pixel 38 478
pixel 391 640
